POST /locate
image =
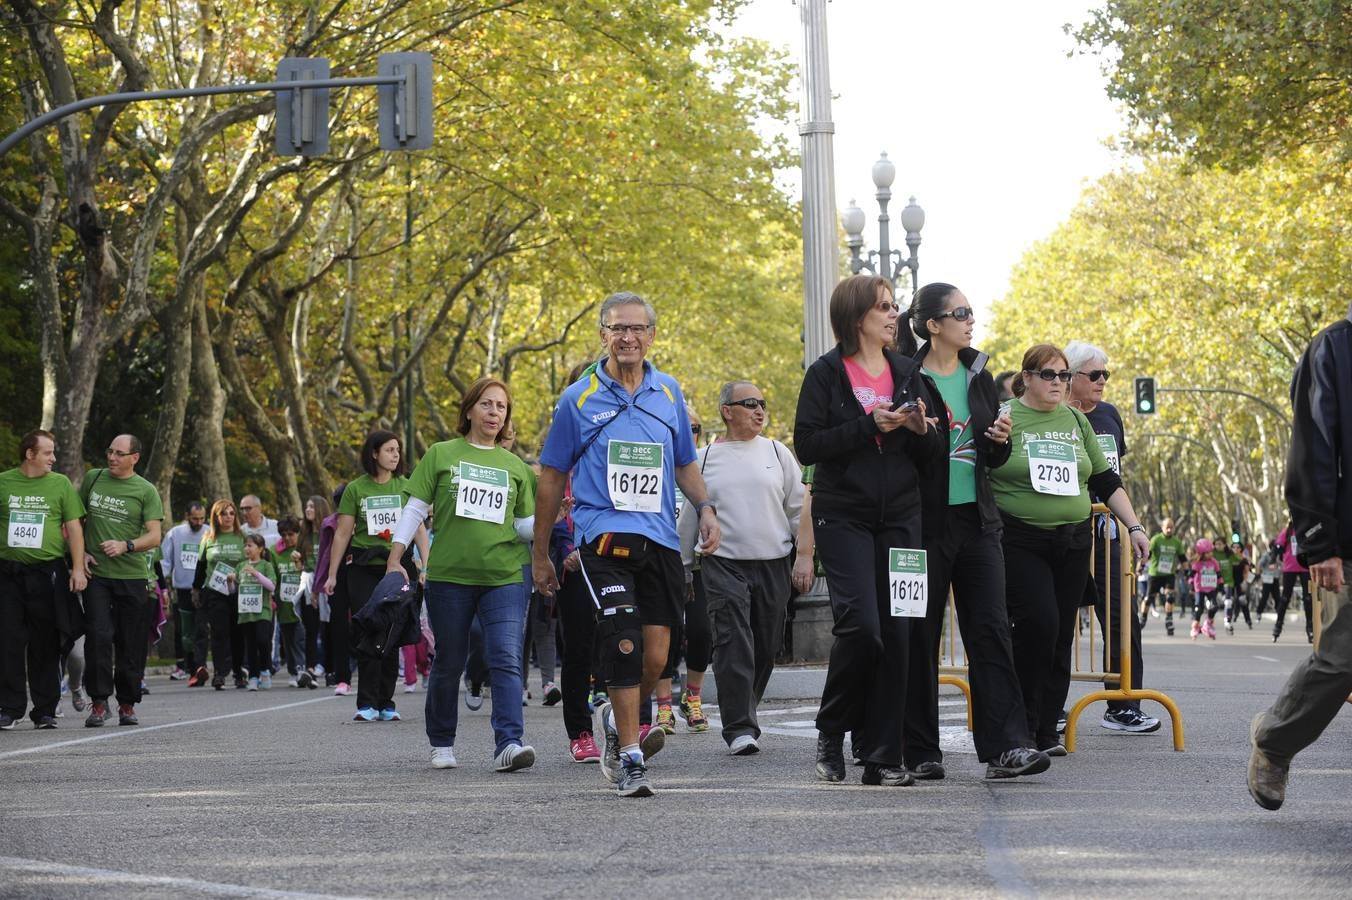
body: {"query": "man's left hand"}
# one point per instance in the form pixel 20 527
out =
pixel 1328 574
pixel 710 535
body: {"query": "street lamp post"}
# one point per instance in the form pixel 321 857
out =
pixel 885 261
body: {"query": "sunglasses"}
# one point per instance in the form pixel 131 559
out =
pixel 696 429
pixel 1096 375
pixel 1052 375
pixel 887 304
pixel 961 314
pixel 748 403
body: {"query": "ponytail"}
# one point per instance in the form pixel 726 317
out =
pixel 906 344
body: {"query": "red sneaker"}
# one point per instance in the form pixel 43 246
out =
pixel 584 749
pixel 651 739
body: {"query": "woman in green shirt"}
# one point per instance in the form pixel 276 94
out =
pixel 483 497
pixel 214 587
pixel 368 513
pixel 1043 495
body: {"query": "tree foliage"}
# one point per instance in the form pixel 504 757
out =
pixel 1229 82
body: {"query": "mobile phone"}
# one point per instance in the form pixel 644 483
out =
pixel 907 406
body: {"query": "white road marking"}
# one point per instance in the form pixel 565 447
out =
pixel 1266 658
pixel 117 732
pixel 91 877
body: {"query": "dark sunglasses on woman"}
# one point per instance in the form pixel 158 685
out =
pixel 1052 375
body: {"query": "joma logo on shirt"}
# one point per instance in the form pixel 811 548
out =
pixel 602 416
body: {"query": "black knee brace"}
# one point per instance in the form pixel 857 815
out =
pixel 619 636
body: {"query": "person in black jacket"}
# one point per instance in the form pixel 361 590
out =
pixel 961 528
pixel 1319 492
pixel 862 422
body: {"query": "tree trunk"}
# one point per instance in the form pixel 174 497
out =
pixel 210 396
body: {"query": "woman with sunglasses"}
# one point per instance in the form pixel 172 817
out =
pixel 1089 367
pixel 1043 492
pixel 961 528
pixel 215 587
pixel 862 421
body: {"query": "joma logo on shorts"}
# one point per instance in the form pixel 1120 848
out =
pixel 612 589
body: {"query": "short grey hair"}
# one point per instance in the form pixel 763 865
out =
pixel 626 298
pixel 725 395
pixel 1082 353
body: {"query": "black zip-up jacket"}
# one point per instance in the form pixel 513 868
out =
pixel 1319 463
pixel 984 404
pixel 856 478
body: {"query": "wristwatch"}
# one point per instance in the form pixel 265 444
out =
pixel 131 546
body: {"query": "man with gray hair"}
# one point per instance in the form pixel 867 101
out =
pixel 759 486
pixel 623 434
pixel 1089 376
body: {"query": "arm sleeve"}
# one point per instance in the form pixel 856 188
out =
pixel 415 511
pixel 525 529
pixel 1312 463
pixel 267 582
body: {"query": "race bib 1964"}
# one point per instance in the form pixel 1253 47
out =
pixel 382 513
pixel 908 582
pixel 25 530
pixel 634 476
pixel 1052 468
pixel 482 493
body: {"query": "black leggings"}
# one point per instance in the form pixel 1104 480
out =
pixel 376 674
pixel 577 622
pixel 1289 580
pixel 1270 589
pixel 1206 602
pixel 309 616
pixel 696 633
pixel 258 638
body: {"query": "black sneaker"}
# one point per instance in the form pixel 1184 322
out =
pixel 45 723
pixel 886 776
pixel 633 779
pixel 1132 721
pixel 98 714
pixel 610 755
pixel 929 770
pixel 1018 761
pixel 241 683
pixel 305 679
pixel 830 757
pixel 6 722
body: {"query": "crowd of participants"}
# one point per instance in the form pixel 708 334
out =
pixel 628 546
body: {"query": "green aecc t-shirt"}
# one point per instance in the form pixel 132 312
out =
pixel 1045 483
pixel 32 511
pixel 118 509
pixel 375 508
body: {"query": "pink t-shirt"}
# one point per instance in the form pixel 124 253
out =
pixel 1206 565
pixel 868 390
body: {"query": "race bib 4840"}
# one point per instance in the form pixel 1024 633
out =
pixel 25 530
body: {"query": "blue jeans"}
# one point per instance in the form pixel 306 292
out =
pixel 450 609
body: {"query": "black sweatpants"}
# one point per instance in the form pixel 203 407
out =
pixel 117 633
pixel 185 631
pixel 865 690
pixel 1289 580
pixel 309 617
pixel 216 624
pixel 1045 572
pixel 258 643
pixel 1108 572
pixel 973 564
pixel 30 643
pixel 376 674
pixel 577 621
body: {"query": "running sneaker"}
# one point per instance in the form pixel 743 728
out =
pixel 651 739
pixel 610 759
pixel 241 682
pixel 474 697
pixel 929 770
pixel 7 722
pixel 293 681
pixel 514 757
pixel 178 674
pixel 306 679
pixel 265 681
pixel 1132 721
pixel 443 758
pixel 551 693
pixel 1020 761
pixel 342 690
pixel 633 779
pixel 743 745
pixel 666 719
pixel 692 710
pixel 253 683
pixel 411 688
pixel 597 699
pixel 199 677
pixel 365 714
pixel 77 700
pixel 126 715
pixel 886 776
pixel 583 749
pixel 44 722
pixel 389 715
pixel 98 714
pixel 1061 723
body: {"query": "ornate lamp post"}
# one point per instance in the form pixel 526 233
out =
pixel 885 261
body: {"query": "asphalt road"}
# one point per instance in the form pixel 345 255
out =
pixel 277 794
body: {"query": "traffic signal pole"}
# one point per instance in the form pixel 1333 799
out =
pixel 1286 419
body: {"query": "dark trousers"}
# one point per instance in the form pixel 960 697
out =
pixel 1045 572
pixel 117 629
pixel 577 622
pixel 216 625
pixel 30 643
pixel 338 634
pixel 185 631
pixel 292 652
pixel 1289 580
pixel 258 644
pixel 748 601
pixel 1271 589
pixel 309 617
pixel 973 564
pixel 239 643
pixel 693 636
pixel 1107 582
pixel 376 673
pixel 865 691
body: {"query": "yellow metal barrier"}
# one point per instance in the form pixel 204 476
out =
pixel 1122 679
pixel 951 673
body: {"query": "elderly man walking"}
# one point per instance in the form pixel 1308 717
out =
pixel 757 485
pixel 1319 492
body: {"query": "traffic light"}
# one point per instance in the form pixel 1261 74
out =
pixel 1234 531
pixel 1145 396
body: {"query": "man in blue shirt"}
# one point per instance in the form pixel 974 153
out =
pixel 623 433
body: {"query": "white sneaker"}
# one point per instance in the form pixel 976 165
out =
pixel 342 690
pixel 292 682
pixel 443 758
pixel 513 757
pixel 743 745
pixel 319 669
pixel 411 688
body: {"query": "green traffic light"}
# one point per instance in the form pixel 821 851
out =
pixel 1145 406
